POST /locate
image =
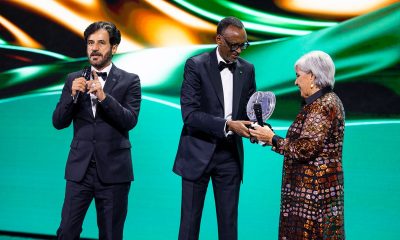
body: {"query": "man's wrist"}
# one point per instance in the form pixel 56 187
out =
pixel 227 127
pixel 101 100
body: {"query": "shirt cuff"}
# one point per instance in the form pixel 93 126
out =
pixel 275 140
pixel 226 132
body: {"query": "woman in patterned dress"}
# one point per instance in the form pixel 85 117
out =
pixel 312 183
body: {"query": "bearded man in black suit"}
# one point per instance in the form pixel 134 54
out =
pixel 103 109
pixel 215 90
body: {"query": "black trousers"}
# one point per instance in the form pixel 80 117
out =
pixel 224 172
pixel 111 207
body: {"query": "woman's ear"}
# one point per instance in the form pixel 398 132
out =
pixel 312 78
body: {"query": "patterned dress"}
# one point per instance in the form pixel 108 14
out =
pixel 312 184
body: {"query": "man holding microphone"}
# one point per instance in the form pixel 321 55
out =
pixel 103 106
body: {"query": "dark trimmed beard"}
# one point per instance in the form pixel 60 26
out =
pixel 106 59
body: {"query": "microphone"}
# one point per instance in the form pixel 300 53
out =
pixel 86 74
pixel 259 108
pixel 259 116
pixel 258 112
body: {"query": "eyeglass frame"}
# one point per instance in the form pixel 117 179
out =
pixel 234 46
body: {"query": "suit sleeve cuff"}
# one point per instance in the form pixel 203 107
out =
pixel 105 100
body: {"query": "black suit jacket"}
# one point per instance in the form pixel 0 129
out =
pixel 202 106
pixel 105 137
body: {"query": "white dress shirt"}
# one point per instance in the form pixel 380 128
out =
pixel 102 81
pixel 227 86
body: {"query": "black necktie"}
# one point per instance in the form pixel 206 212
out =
pixel 230 66
pixel 103 75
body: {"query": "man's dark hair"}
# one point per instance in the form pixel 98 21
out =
pixel 226 22
pixel 113 32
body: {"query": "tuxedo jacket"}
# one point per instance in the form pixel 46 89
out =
pixel 202 106
pixel 105 136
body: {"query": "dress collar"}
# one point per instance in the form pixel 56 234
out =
pixel 318 94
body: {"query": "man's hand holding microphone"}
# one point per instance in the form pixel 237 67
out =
pixel 82 84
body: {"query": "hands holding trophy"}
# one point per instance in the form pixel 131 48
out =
pixel 259 108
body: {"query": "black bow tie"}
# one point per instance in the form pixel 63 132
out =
pixel 230 66
pixel 103 75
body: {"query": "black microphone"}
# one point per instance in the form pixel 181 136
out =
pixel 86 74
pixel 258 112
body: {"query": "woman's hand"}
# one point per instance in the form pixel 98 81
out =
pixel 263 134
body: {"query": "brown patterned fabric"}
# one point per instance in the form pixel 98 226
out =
pixel 312 184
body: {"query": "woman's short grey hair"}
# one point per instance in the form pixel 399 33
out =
pixel 320 64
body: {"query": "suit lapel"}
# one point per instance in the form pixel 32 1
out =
pixel 215 77
pixel 237 89
pixel 112 79
pixel 88 104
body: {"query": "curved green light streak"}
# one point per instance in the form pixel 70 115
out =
pixel 361 46
pixel 26 96
pixel 371 122
pixel 273 19
pixel 161 101
pixel 166 62
pixel 254 20
pixel 199 10
pixel 275 30
pixel 18 76
pixel 349 123
pixel 38 51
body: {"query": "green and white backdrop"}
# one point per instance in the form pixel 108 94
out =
pixel 41 41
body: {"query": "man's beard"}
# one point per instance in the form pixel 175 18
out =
pixel 106 58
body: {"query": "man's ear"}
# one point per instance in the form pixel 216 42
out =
pixel 218 40
pixel 114 48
